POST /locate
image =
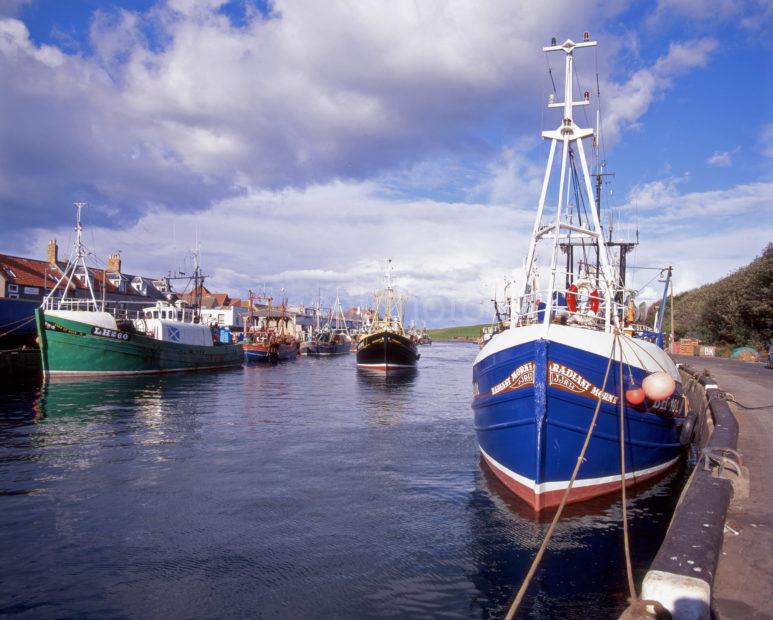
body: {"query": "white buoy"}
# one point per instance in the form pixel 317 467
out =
pixel 658 385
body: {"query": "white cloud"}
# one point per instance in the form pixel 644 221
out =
pixel 626 103
pixel 704 235
pixel 448 255
pixel 722 159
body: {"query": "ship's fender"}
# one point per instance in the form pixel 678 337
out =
pixel 688 429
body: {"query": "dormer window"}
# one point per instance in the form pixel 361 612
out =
pixel 139 285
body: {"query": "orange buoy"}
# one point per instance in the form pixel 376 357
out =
pixel 658 386
pixel 635 396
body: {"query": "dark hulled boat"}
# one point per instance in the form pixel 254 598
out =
pixel 387 345
pixel 386 349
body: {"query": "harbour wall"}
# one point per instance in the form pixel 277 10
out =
pixel 681 576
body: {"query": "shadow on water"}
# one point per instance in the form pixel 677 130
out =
pixel 584 566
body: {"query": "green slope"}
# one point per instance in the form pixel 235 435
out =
pixel 732 312
pixel 450 333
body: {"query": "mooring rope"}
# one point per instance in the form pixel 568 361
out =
pixel 628 567
pixel 10 331
pixel 538 558
pixel 730 398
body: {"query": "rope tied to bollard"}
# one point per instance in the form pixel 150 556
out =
pixel 581 457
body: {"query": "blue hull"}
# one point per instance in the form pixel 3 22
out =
pixel 533 406
pixel 263 355
pixel 17 318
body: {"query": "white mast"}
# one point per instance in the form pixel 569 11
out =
pixel 77 258
pixel 567 133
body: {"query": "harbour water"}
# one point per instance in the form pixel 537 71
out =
pixel 305 489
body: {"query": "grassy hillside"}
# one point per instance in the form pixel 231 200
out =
pixel 449 333
pixel 734 311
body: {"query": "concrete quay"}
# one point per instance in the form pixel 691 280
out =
pixel 743 585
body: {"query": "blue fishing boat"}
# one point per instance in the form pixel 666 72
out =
pixel 576 361
pixel 333 338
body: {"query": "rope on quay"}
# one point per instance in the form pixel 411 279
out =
pixel 730 398
pixel 538 558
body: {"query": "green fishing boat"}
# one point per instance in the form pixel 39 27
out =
pixel 80 337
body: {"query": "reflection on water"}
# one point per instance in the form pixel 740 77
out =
pixel 386 396
pixel 584 566
pixel 305 489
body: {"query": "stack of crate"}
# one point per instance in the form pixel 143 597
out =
pixel 688 346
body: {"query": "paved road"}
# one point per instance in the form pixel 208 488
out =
pixel 743 586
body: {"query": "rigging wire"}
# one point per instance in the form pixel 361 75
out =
pixel 550 72
pixel 599 137
pixel 580 93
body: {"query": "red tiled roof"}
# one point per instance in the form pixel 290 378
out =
pixel 40 273
pixel 27 272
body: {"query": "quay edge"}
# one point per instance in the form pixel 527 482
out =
pixel 681 577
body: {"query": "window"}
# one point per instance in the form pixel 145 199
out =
pixel 221 319
pixel 13 296
pixel 155 314
pixel 13 288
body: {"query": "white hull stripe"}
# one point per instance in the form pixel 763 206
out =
pixel 386 366
pixel 545 487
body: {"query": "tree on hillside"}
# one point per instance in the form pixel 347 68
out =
pixel 737 310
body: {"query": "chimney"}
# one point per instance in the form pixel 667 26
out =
pixel 114 263
pixel 53 252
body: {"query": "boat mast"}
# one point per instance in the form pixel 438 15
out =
pixel 198 285
pixel 566 134
pixel 77 258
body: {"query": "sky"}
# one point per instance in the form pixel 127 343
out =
pixel 300 143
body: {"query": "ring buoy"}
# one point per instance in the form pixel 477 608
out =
pixel 595 301
pixel 571 298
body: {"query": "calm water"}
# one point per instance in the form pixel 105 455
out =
pixel 304 489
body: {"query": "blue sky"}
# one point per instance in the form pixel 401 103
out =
pixel 302 142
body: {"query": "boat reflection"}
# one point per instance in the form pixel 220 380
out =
pixel 506 534
pixel 393 379
pixel 76 396
pixel 386 396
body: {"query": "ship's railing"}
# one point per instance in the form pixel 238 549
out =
pixel 589 307
pixel 128 310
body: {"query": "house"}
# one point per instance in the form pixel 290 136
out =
pixel 29 279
